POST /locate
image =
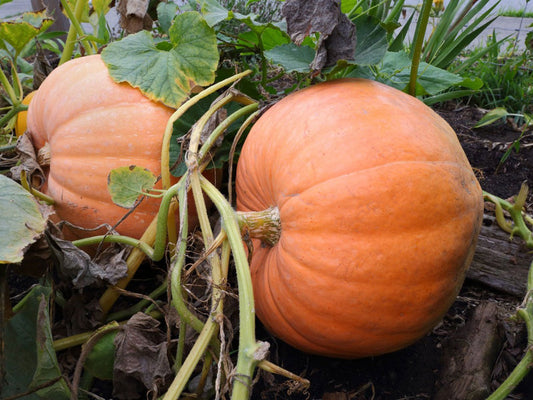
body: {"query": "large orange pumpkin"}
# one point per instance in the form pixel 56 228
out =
pixel 379 210
pixel 91 125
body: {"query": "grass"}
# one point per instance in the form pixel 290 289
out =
pixel 507 76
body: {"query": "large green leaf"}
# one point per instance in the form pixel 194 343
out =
pixel 19 32
pixel 22 221
pixel 30 359
pixel 165 71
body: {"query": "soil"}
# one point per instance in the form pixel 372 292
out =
pixel 416 373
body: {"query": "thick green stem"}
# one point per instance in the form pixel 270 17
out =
pixel 514 378
pixel 94 240
pixel 516 212
pixel 217 132
pixel 68 50
pixel 217 294
pixel 77 26
pixel 186 370
pixel 418 43
pixel 165 148
pixel 525 312
pixel 250 351
pixel 12 112
pixel 524 366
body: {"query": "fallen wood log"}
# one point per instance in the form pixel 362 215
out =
pixel 500 263
pixel 470 355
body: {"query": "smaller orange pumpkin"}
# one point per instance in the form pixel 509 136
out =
pixel 20 125
pixel 88 124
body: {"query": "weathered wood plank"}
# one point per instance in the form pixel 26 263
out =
pixel 470 355
pixel 500 263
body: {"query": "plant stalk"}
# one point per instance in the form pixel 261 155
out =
pixel 165 148
pixel 68 50
pixel 418 40
pixel 250 351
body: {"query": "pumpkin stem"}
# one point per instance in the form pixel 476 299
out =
pixel 43 155
pixel 263 225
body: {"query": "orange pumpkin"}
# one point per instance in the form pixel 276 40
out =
pixel 20 125
pixel 379 211
pixel 90 125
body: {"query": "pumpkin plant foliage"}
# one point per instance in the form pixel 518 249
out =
pixel 30 359
pixel 166 71
pixel 22 220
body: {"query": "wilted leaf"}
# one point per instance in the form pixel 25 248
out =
pixel 82 312
pixel 76 265
pixel 19 32
pixel 126 184
pixel 337 38
pixel 165 71
pixel 141 360
pixel 492 116
pixel 29 355
pixel 305 18
pixel 27 161
pixel 22 220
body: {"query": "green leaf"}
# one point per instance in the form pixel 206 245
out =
pixel 29 356
pixel 22 220
pixel 19 32
pixel 165 15
pixel 435 80
pixel 166 75
pixel 213 11
pixel 371 41
pixel 395 71
pixel 269 37
pixel 101 359
pixel 291 57
pixel 126 184
pixel 472 83
pixel 492 116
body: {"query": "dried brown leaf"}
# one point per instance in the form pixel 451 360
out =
pixel 27 162
pixel 76 265
pixel 337 38
pixel 141 361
